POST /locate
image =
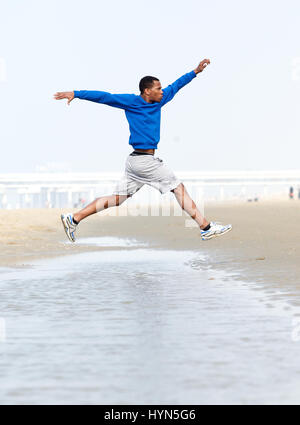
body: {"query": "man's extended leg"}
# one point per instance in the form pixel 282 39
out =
pixel 70 221
pixel 208 229
pixel 188 205
pixel 98 205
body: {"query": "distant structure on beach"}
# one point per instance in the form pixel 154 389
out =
pixel 60 190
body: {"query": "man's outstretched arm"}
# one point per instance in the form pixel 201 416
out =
pixel 172 89
pixel 122 101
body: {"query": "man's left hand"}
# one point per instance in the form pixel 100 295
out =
pixel 202 65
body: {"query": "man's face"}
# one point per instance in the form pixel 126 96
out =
pixel 155 93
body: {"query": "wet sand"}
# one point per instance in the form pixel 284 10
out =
pixel 170 319
pixel 264 245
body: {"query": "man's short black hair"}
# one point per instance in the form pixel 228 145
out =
pixel 147 83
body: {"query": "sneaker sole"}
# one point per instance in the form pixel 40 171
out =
pixel 215 235
pixel 66 228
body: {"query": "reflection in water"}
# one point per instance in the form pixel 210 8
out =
pixel 143 326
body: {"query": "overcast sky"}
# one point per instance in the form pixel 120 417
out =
pixel 241 113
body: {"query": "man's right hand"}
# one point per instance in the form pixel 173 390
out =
pixel 64 95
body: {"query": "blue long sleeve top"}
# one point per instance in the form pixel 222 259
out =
pixel 143 117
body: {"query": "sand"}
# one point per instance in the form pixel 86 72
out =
pixel 264 245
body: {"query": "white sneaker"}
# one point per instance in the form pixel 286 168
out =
pixel 215 230
pixel 69 226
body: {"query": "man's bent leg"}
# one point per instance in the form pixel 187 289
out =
pixel 100 204
pixel 188 205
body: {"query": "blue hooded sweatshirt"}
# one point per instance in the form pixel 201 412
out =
pixel 143 117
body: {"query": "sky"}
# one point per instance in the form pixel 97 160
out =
pixel 241 113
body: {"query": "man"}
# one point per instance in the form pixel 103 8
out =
pixel 143 113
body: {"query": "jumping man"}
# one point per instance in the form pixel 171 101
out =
pixel 143 113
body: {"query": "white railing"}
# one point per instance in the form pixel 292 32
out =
pixel 30 190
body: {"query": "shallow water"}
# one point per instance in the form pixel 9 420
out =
pixel 110 241
pixel 142 327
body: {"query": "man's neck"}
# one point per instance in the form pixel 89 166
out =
pixel 146 98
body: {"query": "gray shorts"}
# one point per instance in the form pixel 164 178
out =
pixel 146 169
